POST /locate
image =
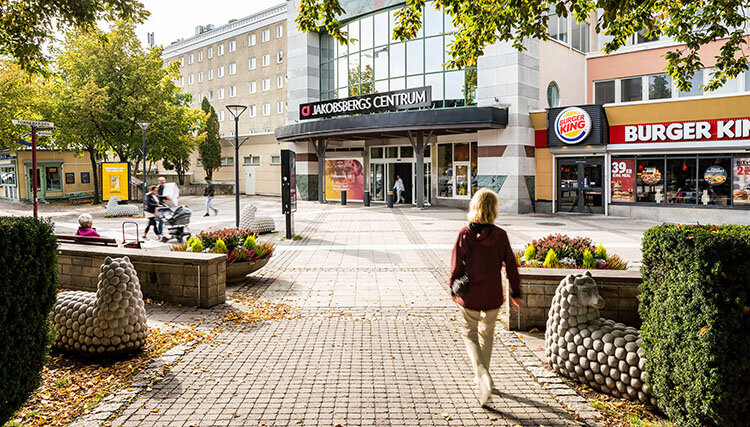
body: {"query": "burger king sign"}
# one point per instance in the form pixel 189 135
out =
pixel 572 125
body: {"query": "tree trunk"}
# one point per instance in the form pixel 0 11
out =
pixel 94 174
pixel 180 175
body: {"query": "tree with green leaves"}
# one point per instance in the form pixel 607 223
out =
pixel 19 99
pixel 26 26
pixel 209 150
pixel 176 135
pixel 481 23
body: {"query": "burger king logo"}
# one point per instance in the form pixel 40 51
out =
pixel 572 125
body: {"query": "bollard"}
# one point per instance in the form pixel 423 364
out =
pixel 390 199
pixel 343 197
pixel 366 198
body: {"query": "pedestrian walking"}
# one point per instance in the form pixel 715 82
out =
pixel 398 187
pixel 209 193
pixel 85 226
pixel 152 205
pixel 478 255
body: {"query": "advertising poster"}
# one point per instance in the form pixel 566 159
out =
pixel 345 174
pixel 115 181
pixel 70 178
pixel 741 185
pixel 623 180
pixel 85 178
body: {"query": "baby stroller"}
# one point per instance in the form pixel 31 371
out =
pixel 177 222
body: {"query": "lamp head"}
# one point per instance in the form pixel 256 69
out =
pixel 144 125
pixel 236 110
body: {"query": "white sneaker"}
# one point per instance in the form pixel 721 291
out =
pixel 485 389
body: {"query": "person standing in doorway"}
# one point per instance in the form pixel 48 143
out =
pixel 209 193
pixel 398 187
pixel 480 251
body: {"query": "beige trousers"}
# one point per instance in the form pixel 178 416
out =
pixel 479 333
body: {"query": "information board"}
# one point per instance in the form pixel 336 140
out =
pixel 115 180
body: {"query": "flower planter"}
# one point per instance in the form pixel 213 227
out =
pixel 238 271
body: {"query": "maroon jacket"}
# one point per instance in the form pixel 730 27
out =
pixel 488 250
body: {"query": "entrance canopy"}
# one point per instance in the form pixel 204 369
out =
pixel 397 125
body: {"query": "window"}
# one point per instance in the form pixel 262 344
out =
pixel 210 95
pixel 232 68
pixel 210 53
pixel 659 86
pixel 280 107
pixel 650 180
pixel 200 97
pixel 221 93
pixel 747 80
pixel 8 175
pixel 714 182
pixel 275 160
pixel 731 86
pixel 190 59
pixel 232 91
pixel 280 57
pixel 191 79
pixel 553 95
pixel 252 87
pixel 52 173
pixel 253 111
pixel 220 72
pixel 640 37
pixel 266 109
pixel 279 31
pixel 266 60
pixel 251 160
pixel 558 26
pixel 266 84
pixel 211 74
pixel 265 35
pixel 200 76
pixel 251 64
pixel 182 61
pixel 631 89
pixel 232 45
pixel 221 115
pixel 580 36
pixel 220 50
pixel 445 170
pixel 681 180
pixel 181 82
pixel 251 40
pixel 695 85
pixel 227 161
pixel 200 56
pixel 279 82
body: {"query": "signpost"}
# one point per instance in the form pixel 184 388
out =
pixel 35 126
pixel 288 189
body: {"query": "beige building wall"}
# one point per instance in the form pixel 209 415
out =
pixel 240 63
pixel 67 161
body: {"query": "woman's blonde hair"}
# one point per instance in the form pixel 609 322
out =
pixel 483 207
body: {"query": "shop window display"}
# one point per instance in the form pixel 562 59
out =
pixel 445 170
pixel 53 179
pixel 714 183
pixel 650 181
pixel 741 182
pixel 681 176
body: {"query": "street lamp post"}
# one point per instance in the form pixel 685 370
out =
pixel 144 125
pixel 236 111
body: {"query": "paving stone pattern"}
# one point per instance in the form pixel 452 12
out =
pixel 375 342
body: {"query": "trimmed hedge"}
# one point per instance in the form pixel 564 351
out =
pixel 28 286
pixel 696 322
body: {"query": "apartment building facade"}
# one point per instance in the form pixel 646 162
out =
pixel 240 63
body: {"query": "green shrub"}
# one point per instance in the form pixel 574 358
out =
pixel 696 322
pixel 220 247
pixel 550 261
pixel 600 253
pixel 28 285
pixel 249 242
pixel 588 260
pixel 530 253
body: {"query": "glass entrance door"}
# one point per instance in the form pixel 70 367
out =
pixel 580 185
pixel 39 184
pixel 463 180
pixel 377 182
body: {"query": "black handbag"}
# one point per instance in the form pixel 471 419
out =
pixel 460 285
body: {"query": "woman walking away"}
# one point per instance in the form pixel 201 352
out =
pixel 480 251
pixel 85 222
pixel 152 203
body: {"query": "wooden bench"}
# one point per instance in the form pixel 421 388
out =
pixel 86 240
pixel 80 195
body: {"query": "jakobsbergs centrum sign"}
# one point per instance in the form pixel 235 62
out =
pixel 365 104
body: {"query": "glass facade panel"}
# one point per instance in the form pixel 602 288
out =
pixel 695 85
pixel 376 182
pixel 398 84
pixel 436 81
pixel 474 156
pixel 659 86
pixel 462 180
pixel 381 86
pixel 433 20
pixel 342 76
pixel 454 88
pixel 381 63
pixel 631 89
pixel 461 152
pixel 391 152
pixel 353 36
pixel 392 24
pixel 381 29
pixel 434 61
pixel 354 77
pixel 414 81
pixel 681 180
pixel 650 180
pixel 445 170
pixel 366 76
pixel 407 152
pixel 366 33
pixel 376 153
pixel 415 57
pixel 604 92
pixel 397 60
pixel 714 181
pixel 731 86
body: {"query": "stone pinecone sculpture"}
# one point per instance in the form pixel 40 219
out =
pixel 259 224
pixel 585 347
pixel 116 209
pixel 110 321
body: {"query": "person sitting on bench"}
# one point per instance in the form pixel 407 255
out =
pixel 85 221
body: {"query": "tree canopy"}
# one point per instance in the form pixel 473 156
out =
pixel 25 26
pixel 210 149
pixel 481 23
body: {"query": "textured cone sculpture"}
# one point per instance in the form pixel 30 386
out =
pixel 585 347
pixel 110 321
pixel 259 224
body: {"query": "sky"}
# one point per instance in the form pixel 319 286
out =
pixel 174 19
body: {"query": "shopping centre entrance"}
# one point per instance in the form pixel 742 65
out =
pixel 390 161
pixel 580 184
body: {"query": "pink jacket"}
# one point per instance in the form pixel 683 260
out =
pixel 87 232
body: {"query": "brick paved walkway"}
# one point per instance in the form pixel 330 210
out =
pixel 375 341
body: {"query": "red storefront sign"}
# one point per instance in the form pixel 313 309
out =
pixel 623 180
pixel 686 131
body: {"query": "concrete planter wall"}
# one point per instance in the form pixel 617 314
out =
pixel 618 288
pixel 186 278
